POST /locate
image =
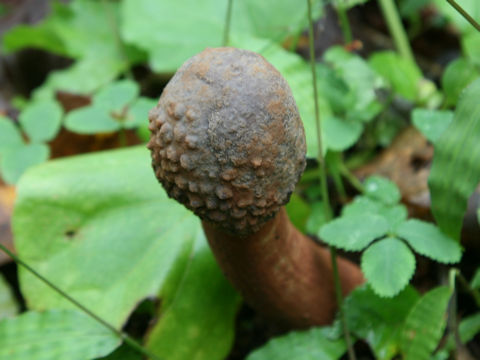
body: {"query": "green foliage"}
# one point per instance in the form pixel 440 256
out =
pixel 431 123
pixel 472 7
pixel 428 240
pixel 10 136
pixel 424 324
pixel 301 345
pixel 354 233
pixel 190 305
pixel 455 170
pixel 469 327
pixel 41 120
pixel 388 265
pixel 475 283
pixel 402 75
pixel 171 41
pixel 456 77
pixel 83 30
pixel 379 321
pixel 114 107
pixel 17 160
pixel 8 304
pixel 54 334
pixel 120 238
pixel 382 189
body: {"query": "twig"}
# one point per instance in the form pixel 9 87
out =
pixel 125 337
pixel 226 29
pixel 466 15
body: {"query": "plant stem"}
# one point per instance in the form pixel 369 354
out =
pixel 344 24
pixel 226 29
pixel 474 293
pixel 351 178
pixel 125 337
pixel 343 318
pixel 466 15
pixel 323 183
pixel 397 30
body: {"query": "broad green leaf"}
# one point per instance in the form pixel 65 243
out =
pixel 138 112
pixel 455 170
pixel 382 189
pixel 353 233
pixel 83 77
pixel 312 344
pixel 471 47
pixel 317 218
pixel 54 334
pixel 403 75
pixel 91 120
pixel 388 266
pixel 432 123
pixel 425 323
pixel 117 95
pixel 469 327
pixel 341 134
pixel 427 239
pixel 298 211
pixel 41 120
pixel 457 76
pixel 8 304
pixel 171 41
pixel 110 235
pixel 475 283
pixel 347 4
pixel 124 352
pixel 9 135
pixel 362 81
pixel 378 320
pixel 190 305
pixel 17 160
pixel 470 6
pixel 394 215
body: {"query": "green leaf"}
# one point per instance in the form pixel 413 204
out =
pixel 17 160
pixel 379 321
pixel 10 136
pixel 455 170
pixel 341 134
pixel 8 304
pixel 403 75
pixel 394 215
pixel 382 189
pixel 171 41
pixel 469 327
pixel 427 239
pixel 317 218
pixel 83 77
pixel 91 120
pixel 124 352
pixel 470 6
pixel 432 123
pixel 312 344
pixel 138 113
pixel 475 283
pixel 298 211
pixel 54 334
pixel 191 304
pixel 457 76
pixel 115 96
pixel 388 266
pixel 115 237
pixel 425 323
pixel 41 120
pixel 471 45
pixel 362 81
pixel 353 233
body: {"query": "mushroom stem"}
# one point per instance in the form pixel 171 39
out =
pixel 282 273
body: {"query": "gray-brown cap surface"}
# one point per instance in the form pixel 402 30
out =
pixel 227 140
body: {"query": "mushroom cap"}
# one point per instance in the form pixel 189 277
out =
pixel 227 140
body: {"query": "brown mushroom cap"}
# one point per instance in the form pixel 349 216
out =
pixel 227 140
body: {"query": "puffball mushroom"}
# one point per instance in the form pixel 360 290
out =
pixel 228 143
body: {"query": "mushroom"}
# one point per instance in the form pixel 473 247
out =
pixel 228 143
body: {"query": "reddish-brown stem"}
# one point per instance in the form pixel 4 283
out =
pixel 282 273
